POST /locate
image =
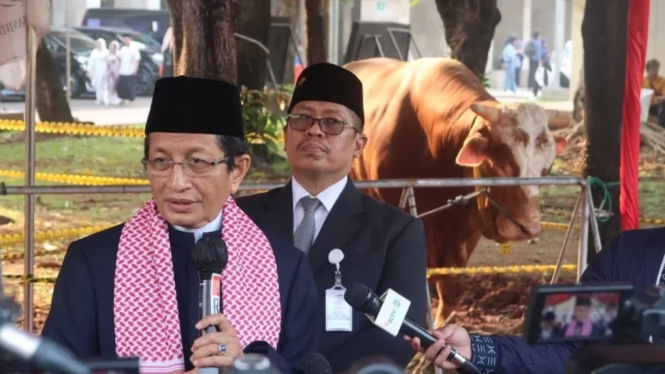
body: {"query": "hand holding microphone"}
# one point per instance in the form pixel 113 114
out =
pixel 448 338
pixel 219 345
pixel 363 299
pixel 206 349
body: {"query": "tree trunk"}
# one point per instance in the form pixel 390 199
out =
pixel 253 22
pixel 469 26
pixel 604 32
pixel 317 43
pixel 203 38
pixel 51 101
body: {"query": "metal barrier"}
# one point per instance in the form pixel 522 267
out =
pixel 584 206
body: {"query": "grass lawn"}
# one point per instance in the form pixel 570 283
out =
pixel 93 156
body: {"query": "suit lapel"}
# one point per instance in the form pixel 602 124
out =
pixel 343 221
pixel 278 218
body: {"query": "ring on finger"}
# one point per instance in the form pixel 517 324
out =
pixel 221 349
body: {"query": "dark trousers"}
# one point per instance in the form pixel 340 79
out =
pixel 126 87
pixel 533 65
pixel 518 71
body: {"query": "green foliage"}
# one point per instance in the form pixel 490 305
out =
pixel 485 80
pixel 263 113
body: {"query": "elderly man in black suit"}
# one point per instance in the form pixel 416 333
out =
pixel 320 210
pixel 133 290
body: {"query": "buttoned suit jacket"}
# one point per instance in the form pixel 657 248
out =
pixel 384 248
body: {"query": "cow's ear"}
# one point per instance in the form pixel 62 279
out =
pixel 561 144
pixel 473 151
pixel 490 113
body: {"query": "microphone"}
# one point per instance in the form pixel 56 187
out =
pixel 39 352
pixel 363 299
pixel 375 365
pixel 316 364
pixel 253 363
pixel 210 258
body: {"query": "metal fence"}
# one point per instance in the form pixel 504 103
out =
pixel 583 208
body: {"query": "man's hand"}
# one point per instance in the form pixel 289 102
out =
pixel 207 348
pixel 450 336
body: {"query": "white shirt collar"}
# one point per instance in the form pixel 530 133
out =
pixel 327 197
pixel 215 225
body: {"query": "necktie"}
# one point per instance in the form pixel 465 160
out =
pixel 304 235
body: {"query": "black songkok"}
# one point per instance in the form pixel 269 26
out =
pixel 187 105
pixel 331 83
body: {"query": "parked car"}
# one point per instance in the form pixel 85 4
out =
pixel 150 22
pixel 80 47
pixel 9 94
pixel 151 56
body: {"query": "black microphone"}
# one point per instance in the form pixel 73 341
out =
pixel 210 258
pixel 375 365
pixel 363 299
pixel 253 363
pixel 316 364
pixel 39 352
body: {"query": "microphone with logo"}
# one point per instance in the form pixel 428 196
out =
pixel 393 319
pixel 210 258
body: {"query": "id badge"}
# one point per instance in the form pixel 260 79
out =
pixel 338 312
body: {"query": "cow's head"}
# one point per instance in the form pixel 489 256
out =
pixel 512 140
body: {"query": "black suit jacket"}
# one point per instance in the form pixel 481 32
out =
pixel 384 247
pixel 81 316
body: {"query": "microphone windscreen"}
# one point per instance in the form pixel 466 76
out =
pixel 210 255
pixel 375 365
pixel 357 296
pixel 316 364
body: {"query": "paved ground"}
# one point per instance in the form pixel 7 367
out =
pixel 87 110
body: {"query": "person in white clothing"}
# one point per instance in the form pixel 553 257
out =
pixel 96 71
pixel 112 73
pixel 129 66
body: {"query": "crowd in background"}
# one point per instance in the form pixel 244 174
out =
pixel 538 55
pixel 112 71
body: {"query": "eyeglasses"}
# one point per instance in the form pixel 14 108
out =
pixel 303 122
pixel 161 166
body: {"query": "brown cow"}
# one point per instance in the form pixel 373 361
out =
pixel 432 118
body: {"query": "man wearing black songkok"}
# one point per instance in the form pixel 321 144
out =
pixel 320 209
pixel 133 291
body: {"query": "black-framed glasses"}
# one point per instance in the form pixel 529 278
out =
pixel 303 122
pixel 192 166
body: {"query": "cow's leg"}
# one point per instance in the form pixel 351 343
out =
pixel 448 287
pixel 448 292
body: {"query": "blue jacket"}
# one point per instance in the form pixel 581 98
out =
pixel 635 256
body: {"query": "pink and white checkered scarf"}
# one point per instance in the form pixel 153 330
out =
pixel 145 306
